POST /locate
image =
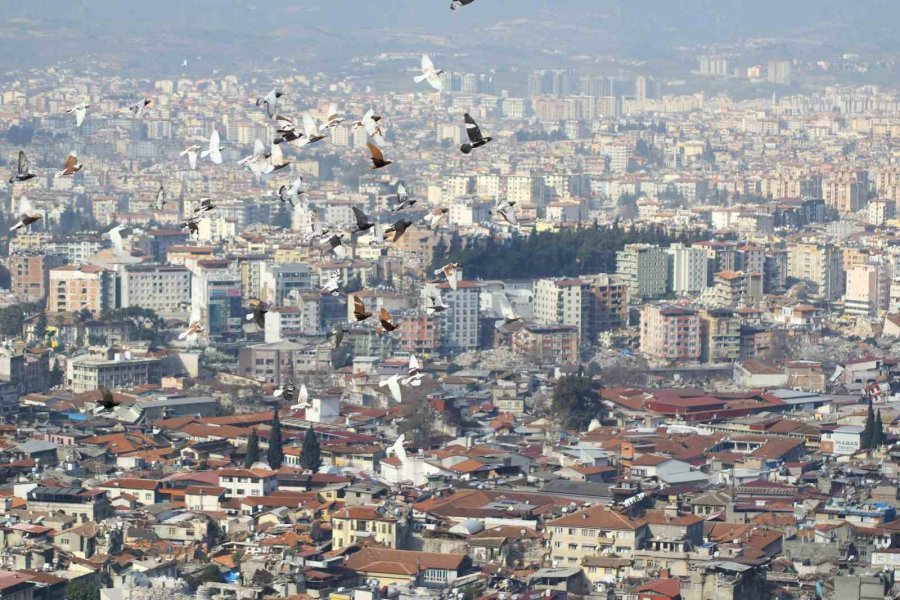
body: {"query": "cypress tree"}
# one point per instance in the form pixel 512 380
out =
pixel 252 449
pixel 311 454
pixel 275 454
pixel 878 431
pixel 868 433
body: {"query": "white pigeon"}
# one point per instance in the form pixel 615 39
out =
pixel 214 151
pixel 505 311
pixel 397 449
pixel 436 217
pixel 451 272
pixel 192 154
pixel 302 398
pixel 137 109
pixel 414 374
pixel 27 216
pixel 160 198
pixel 80 111
pixel 332 285
pixel 369 122
pixel 258 161
pixel 115 237
pixel 270 100
pixel 434 303
pixel 429 74
pixel 311 133
pixel 393 385
pixel 332 118
pixel 195 326
pixel 291 193
pixel 506 210
pixel 205 206
pixel 276 160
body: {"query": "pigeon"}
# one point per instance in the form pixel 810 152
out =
pixel 332 119
pixel 71 167
pixel 397 449
pixel 359 309
pixel 195 327
pixel 192 153
pixel 80 111
pixel 505 209
pixel 27 216
pixel 430 75
pixel 137 109
pixel 362 221
pixel 311 133
pixel 338 333
pixel 214 151
pixel 335 244
pixel 276 160
pixel 257 312
pixel 398 229
pixel 191 224
pixel 302 398
pixel 378 237
pixel 433 302
pixel 436 216
pixel 506 312
pixel 287 390
pixel 115 237
pixel 451 272
pixel 393 385
pixel 106 401
pixel 291 194
pixel 454 4
pixel 476 139
pixel 205 206
pixel 286 130
pixel 378 160
pixel 160 198
pixel 318 230
pixel 23 171
pixel 257 161
pixel 369 122
pixel 414 374
pixel 387 320
pixel 270 101
pixel 403 199
pixel 332 285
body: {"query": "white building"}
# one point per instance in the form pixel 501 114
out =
pixel 644 269
pixel 689 269
pixel 162 288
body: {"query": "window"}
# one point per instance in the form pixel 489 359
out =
pixel 436 575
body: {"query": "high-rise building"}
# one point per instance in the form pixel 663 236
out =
pixel 820 266
pixel 565 302
pixel 720 336
pixel 688 270
pixel 670 333
pixel 216 285
pixel 644 269
pixel 74 288
pixel 868 289
pixel 162 288
pixel 30 274
pixel 713 65
pixel 459 323
pixel 610 303
pixel 779 72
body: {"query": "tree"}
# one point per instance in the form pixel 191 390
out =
pixel 82 589
pixel 57 375
pixel 252 449
pixel 40 328
pixel 311 453
pixel 878 431
pixel 418 424
pixel 211 574
pixel 576 401
pixel 275 453
pixel 868 434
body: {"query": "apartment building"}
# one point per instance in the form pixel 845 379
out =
pixel 114 371
pixel 644 269
pixel 594 531
pixel 670 333
pixel 216 285
pixel 565 302
pixel 737 288
pixel 720 336
pixel 83 504
pixel 688 270
pixel 352 524
pixel 30 274
pixel 610 303
pixel 868 289
pixel 548 344
pixel 73 288
pixel 460 324
pixel 820 266
pixel 241 483
pixel 162 288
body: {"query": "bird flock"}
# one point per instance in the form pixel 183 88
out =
pixel 268 159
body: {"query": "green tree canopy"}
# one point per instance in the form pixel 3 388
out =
pixel 311 453
pixel 82 589
pixel 252 449
pixel 275 454
pixel 576 401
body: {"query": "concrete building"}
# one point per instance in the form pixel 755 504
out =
pixel 274 362
pixel 720 336
pixel 737 288
pixel 83 504
pixel 162 288
pixel 670 333
pixel 459 326
pixel 81 287
pixel 352 524
pixel 241 483
pixel 688 270
pixel 565 302
pixel 868 289
pixel 548 344
pixel 818 265
pixel 610 303
pixel 878 212
pixel 30 275
pixel 644 269
pixel 113 371
pixel 279 282
pixel 216 285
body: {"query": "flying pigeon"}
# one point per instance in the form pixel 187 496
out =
pixel 214 151
pixel 311 133
pixel 369 122
pixel 362 221
pixel 450 271
pixel 403 199
pixel 430 75
pixel 71 167
pixel 506 210
pixel 476 139
pixel 276 160
pixel 454 4
pixel 359 309
pixel 302 398
pixel 338 333
pixel 195 327
pixel 318 230
pixel 191 224
pixel 332 119
pixel 287 390
pixel 397 449
pixel 137 109
pixel 436 216
pixel 80 111
pixel 270 101
pixel 393 384
pixel 106 401
pixel 335 244
pixel 378 160
pixel 506 312
pixel 414 374
pixel 257 312
pixel 115 237
pixel 332 285
pixel 23 171
pixel 192 153
pixel 387 320
pixel 434 303
pixel 27 216
pixel 256 162
pixel 205 206
pixel 398 229
pixel 291 193
pixel 160 198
